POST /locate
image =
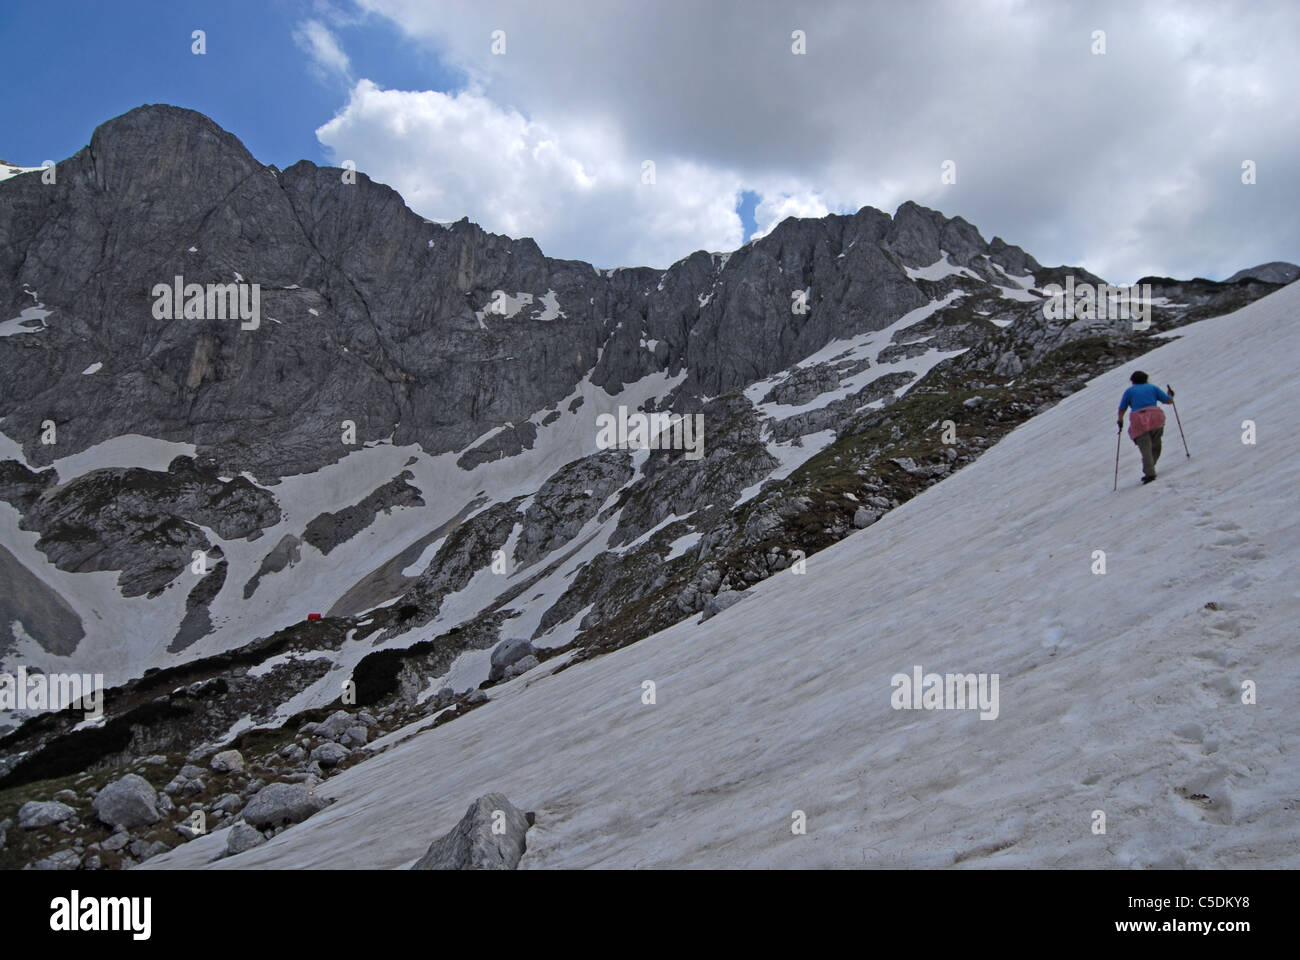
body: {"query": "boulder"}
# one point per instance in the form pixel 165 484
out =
pixel 228 803
pixel 339 722
pixel 63 860
pixel 865 517
pixel 279 803
pixel 507 652
pixel 142 849
pixel 521 666
pixel 43 813
pixel 329 754
pixel 472 844
pixel 354 737
pixel 228 761
pixel 724 599
pixel 186 782
pixel 243 837
pixel 127 802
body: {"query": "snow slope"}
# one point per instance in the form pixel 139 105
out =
pixel 1118 692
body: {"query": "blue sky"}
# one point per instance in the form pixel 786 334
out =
pixel 96 60
pixel 1127 163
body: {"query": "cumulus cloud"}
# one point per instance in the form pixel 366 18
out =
pixel 584 197
pixel 1126 162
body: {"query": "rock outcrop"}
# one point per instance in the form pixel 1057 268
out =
pixel 491 836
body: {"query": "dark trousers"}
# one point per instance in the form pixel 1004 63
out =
pixel 1149 444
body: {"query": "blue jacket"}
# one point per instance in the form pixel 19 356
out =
pixel 1142 395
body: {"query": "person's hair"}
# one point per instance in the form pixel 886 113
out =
pixel 1138 377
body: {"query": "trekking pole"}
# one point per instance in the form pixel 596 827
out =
pixel 1170 390
pixel 1118 435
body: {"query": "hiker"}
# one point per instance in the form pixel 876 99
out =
pixel 1147 424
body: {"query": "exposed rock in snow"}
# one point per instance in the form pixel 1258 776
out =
pixel 508 652
pixel 491 836
pixel 243 837
pixel 283 803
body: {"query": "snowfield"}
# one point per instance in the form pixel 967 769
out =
pixel 1119 692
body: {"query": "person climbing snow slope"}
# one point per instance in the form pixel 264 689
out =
pixel 1147 422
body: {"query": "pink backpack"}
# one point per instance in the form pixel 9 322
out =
pixel 1145 420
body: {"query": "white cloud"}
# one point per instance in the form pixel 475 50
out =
pixel 777 204
pixel 1123 163
pixel 327 57
pixel 578 193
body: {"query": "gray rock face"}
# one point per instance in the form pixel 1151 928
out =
pixel 402 324
pixel 282 803
pixel 1278 271
pixel 567 500
pixel 491 836
pixel 329 530
pixel 716 604
pixel 467 550
pixel 284 554
pixel 804 384
pixel 127 802
pixel 149 535
pixel 506 653
pixel 243 837
pixel 43 813
pixel 832 414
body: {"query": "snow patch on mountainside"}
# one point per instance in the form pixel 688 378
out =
pixel 943 267
pixel 1119 692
